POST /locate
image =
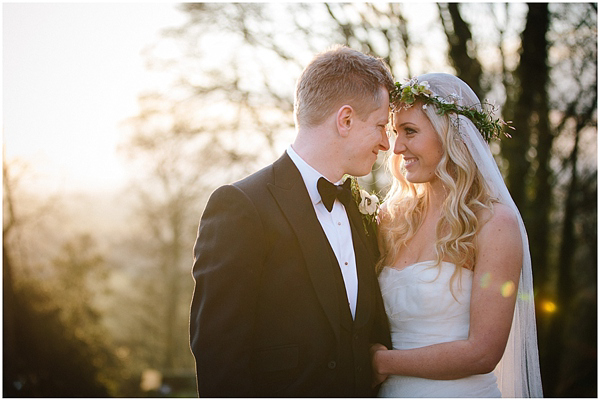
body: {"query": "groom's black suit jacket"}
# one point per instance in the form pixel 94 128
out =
pixel 269 315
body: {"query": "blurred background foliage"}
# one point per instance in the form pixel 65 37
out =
pixel 91 315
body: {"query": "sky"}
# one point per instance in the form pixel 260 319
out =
pixel 71 75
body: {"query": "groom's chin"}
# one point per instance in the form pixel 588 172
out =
pixel 361 172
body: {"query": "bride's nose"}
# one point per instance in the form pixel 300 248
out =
pixel 399 146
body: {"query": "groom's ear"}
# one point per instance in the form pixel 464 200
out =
pixel 344 118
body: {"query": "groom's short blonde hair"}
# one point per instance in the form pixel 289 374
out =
pixel 336 77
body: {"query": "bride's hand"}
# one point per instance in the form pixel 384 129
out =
pixel 378 378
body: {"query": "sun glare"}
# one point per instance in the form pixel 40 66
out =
pixel 548 306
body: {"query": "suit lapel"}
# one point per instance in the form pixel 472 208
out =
pixel 292 197
pixel 356 220
pixel 364 262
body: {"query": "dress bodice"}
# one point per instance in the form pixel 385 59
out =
pixel 420 306
pixel 423 310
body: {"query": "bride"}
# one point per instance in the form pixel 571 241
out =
pixel 455 272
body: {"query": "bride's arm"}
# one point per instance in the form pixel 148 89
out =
pixel 495 283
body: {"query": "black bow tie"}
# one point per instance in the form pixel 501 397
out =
pixel 329 192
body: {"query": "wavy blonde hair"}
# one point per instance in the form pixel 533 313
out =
pixel 467 193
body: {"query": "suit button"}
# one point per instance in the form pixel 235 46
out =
pixel 331 365
pixel 358 369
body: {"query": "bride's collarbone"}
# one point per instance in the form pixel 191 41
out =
pixel 411 255
pixel 420 248
pixel 403 263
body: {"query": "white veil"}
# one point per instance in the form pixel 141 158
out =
pixel 518 372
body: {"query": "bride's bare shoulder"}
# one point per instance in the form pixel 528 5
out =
pixel 500 214
pixel 499 228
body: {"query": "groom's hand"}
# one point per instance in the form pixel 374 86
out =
pixel 378 378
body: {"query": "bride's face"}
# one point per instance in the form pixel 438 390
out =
pixel 417 143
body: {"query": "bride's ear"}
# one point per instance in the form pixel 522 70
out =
pixel 344 119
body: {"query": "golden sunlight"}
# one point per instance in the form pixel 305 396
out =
pixel 548 306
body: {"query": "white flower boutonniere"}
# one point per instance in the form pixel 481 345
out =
pixel 368 206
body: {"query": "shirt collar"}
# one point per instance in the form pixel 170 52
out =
pixel 308 173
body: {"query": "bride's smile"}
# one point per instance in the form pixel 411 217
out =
pixel 409 161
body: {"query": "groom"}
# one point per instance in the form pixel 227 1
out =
pixel 286 301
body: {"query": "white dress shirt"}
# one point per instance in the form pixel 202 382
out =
pixel 336 226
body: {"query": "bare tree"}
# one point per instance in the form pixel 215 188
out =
pixel 462 49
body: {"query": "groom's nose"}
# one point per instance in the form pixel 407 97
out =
pixel 384 144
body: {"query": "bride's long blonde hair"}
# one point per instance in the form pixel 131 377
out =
pixel 467 193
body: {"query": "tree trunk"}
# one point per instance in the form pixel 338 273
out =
pixel 539 211
pixel 564 289
pixel 533 60
pixel 460 40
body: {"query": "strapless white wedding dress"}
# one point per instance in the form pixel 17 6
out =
pixel 422 311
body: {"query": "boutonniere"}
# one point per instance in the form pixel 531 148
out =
pixel 368 205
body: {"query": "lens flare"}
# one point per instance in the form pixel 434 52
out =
pixel 524 297
pixel 485 280
pixel 548 306
pixel 508 289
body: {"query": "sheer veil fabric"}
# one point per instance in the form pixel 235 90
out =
pixel 518 372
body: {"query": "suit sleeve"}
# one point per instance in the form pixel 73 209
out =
pixel 228 254
pixel 381 330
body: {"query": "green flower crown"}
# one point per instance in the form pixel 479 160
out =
pixel 405 95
